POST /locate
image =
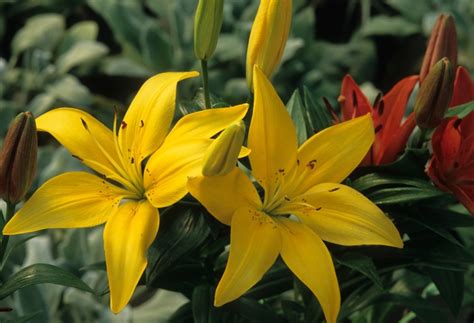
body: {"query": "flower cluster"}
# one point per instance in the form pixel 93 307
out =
pixel 289 200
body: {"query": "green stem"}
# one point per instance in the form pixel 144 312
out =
pixel 8 215
pixel 205 83
pixel 421 138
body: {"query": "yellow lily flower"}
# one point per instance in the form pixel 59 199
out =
pixel 128 202
pixel 304 202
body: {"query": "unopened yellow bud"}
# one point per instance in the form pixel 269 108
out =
pixel 18 158
pixel 442 43
pixel 268 37
pixel 222 154
pixel 434 95
pixel 207 25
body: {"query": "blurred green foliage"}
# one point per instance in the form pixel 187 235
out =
pixel 94 54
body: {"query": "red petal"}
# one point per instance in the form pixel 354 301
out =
pixel 393 145
pixel 395 105
pixel 436 174
pixel 353 102
pixel 463 87
pixel 467 125
pixel 465 195
pixel 449 145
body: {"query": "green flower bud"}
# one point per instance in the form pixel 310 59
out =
pixel 18 158
pixel 207 25
pixel 434 95
pixel 442 43
pixel 221 156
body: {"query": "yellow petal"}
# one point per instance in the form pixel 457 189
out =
pixel 205 124
pixel 340 214
pixel 167 171
pixel 333 153
pixel 309 259
pixel 272 136
pixel 127 236
pixel 223 195
pixel 268 36
pixel 68 126
pixel 254 247
pixel 149 116
pixel 70 200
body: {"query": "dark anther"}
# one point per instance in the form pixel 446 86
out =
pixel 381 107
pixel 142 123
pixel 281 170
pixel 132 160
pixel 457 123
pixel 318 208
pixel 333 189
pixel 311 163
pixel 298 162
pixel 377 99
pixel 287 198
pixel 378 128
pixel 354 99
pixel 84 124
pixel 330 109
pixel 123 125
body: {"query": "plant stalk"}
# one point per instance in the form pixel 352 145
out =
pixel 205 83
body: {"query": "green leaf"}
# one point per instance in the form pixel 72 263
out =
pixel 140 36
pixel 425 310
pixel 12 247
pixel 319 117
pixel 69 90
pixel 41 31
pixel 296 110
pixel 83 52
pixel 276 281
pixel 436 252
pixel 443 218
pixel 83 30
pixel 41 103
pixel 182 314
pixel 182 231
pixel 123 66
pixel 460 111
pixel 155 46
pixel 292 311
pixel 450 285
pixel 410 164
pixel 402 195
pixel 389 26
pixel 253 310
pixel 41 274
pixel 376 179
pixel 32 317
pixel 202 304
pixel 362 264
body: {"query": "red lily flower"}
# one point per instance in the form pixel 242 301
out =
pixel 391 132
pixel 452 165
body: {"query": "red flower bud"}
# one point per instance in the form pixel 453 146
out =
pixel 18 158
pixel 442 43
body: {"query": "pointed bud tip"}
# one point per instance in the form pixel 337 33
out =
pixel 434 95
pixel 222 155
pixel 442 43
